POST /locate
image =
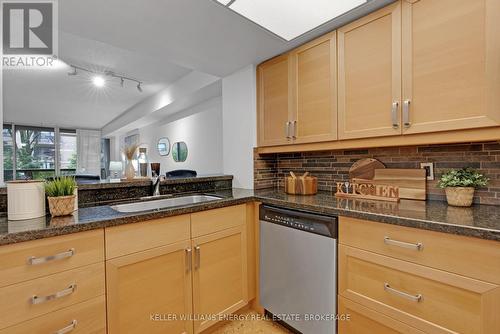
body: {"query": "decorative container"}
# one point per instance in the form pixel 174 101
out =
pixel 25 199
pixel 129 170
pixel 61 205
pixel 459 196
pixel 301 185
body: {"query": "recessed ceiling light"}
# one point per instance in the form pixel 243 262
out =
pixel 98 81
pixel 291 18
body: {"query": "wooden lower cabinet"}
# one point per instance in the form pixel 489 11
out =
pixel 220 284
pixel 362 320
pixel 150 291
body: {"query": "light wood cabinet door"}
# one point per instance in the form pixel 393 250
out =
pixel 314 93
pixel 219 275
pixel 150 291
pixel 451 64
pixel 273 102
pixel 357 319
pixel 369 75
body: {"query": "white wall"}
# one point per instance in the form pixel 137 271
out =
pixel 200 127
pixel 239 118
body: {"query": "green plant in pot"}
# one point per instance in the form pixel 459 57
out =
pixel 459 185
pixel 61 195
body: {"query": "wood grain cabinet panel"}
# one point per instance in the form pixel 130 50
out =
pixel 451 64
pixel 88 317
pixel 273 101
pixel 28 260
pixel 472 257
pixel 149 291
pixel 362 320
pixel 314 90
pixel 430 300
pixel 220 284
pixel 369 75
pixel 211 221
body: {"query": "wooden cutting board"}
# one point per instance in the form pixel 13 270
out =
pixel 365 169
pixel 411 182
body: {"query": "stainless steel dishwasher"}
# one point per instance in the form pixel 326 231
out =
pixel 298 268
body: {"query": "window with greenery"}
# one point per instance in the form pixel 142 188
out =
pixel 37 152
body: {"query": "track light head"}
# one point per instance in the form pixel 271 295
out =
pixel 139 88
pixel 73 72
pixel 121 82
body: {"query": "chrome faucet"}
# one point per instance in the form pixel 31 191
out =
pixel 156 184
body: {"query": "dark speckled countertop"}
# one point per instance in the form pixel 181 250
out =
pixel 480 221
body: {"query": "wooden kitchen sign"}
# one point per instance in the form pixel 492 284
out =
pixel 366 189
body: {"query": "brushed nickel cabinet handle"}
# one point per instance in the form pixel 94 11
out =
pixel 188 259
pixel 406 114
pixel 39 260
pixel 294 129
pixel 68 328
pixel 418 246
pixel 197 257
pixel 416 298
pixel 394 114
pixel 287 130
pixel 43 299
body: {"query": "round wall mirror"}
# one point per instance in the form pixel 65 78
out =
pixel 179 151
pixel 163 146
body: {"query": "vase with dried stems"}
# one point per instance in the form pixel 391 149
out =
pixel 129 152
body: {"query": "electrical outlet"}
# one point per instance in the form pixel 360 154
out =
pixel 429 168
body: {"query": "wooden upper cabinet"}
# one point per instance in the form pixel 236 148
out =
pixel 369 78
pixel 273 101
pixel 451 64
pixel 314 90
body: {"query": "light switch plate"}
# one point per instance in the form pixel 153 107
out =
pixel 429 168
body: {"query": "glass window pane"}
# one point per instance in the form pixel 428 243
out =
pixel 35 153
pixel 67 152
pixel 8 153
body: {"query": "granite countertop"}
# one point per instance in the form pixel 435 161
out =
pixel 480 221
pixel 107 184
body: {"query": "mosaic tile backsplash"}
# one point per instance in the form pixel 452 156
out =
pixel 333 166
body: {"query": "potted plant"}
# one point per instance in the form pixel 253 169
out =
pixel 459 185
pixel 129 152
pixel 61 195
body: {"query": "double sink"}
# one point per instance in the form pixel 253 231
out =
pixel 163 203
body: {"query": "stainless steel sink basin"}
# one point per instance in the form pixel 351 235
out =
pixel 163 203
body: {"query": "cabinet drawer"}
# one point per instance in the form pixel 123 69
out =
pixel 28 260
pixel 132 238
pixel 53 292
pixel 363 320
pixel 431 300
pixel 466 256
pixel 88 317
pixel 212 221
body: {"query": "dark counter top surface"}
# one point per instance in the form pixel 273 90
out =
pixel 480 221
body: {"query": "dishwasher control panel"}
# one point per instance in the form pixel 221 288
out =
pixel 305 221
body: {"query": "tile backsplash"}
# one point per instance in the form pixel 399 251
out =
pixel 333 166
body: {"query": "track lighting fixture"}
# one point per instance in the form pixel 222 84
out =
pixel 99 78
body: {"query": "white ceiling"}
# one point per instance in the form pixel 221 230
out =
pixel 155 41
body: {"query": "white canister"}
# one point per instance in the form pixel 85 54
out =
pixel 25 199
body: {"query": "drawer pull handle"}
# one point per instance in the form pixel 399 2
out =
pixel 394 114
pixel 416 298
pixel 197 257
pixel 68 328
pixel 418 246
pixel 39 260
pixel 188 259
pixel 39 300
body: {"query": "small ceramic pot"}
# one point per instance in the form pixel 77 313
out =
pixel 62 205
pixel 459 196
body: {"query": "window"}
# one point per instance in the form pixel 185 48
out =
pixel 67 151
pixel 32 152
pixel 35 152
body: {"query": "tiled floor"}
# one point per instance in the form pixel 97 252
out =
pixel 252 323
